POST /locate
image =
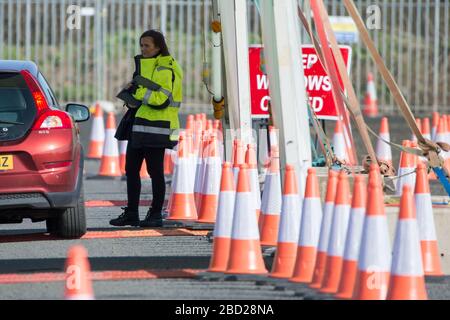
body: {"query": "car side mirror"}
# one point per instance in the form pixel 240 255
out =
pixel 79 112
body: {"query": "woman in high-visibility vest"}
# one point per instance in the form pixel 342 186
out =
pixel 157 89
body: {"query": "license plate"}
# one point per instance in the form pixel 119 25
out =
pixel 6 162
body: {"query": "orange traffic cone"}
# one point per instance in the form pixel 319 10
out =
pixel 291 215
pixel 97 134
pixel 309 231
pixel 250 160
pixel 340 147
pixel 199 172
pixel 78 275
pixel 374 261
pixel 169 156
pixel 425 220
pixel 144 172
pixel 224 222
pixel 198 122
pixel 325 228
pixel 204 120
pixel 179 146
pixel 338 234
pixel 211 185
pixel 406 170
pixel 123 156
pixel 182 205
pixel 426 130
pixel 407 280
pixel 435 124
pixel 441 136
pixel 272 197
pixel 353 239
pixel 371 101
pixel 190 122
pixel 383 150
pixel 245 250
pixel 109 165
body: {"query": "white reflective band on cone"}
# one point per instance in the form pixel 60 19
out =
pixel 355 229
pixel 425 217
pixel 290 220
pixel 224 222
pixel 98 129
pixel 245 226
pixel 375 251
pixel 409 179
pixel 325 227
pixel 311 222
pixel 213 176
pixel 407 258
pixel 338 233
pixel 275 196
pixel 110 148
pixel 182 184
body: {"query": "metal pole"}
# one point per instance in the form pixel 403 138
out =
pixel 119 49
pixel 129 54
pixel 78 63
pixel 63 59
pixel 400 40
pixel 9 34
pixel 181 53
pixel 88 88
pixel 172 26
pixel 45 43
pixel 427 54
pixel 189 61
pixel 445 100
pixel 145 22
pixel 2 23
pixel 153 14
pixel 392 66
pixel 282 43
pixel 53 43
pixel 97 50
pixel 37 36
pixel 197 51
pixel 70 63
pixel 137 25
pixel 436 55
pixel 383 102
pixel 410 47
pixel 235 43
pixel 217 60
pixel 163 4
pixel 417 90
pixel 18 30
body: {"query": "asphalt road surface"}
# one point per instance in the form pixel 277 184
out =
pixel 131 264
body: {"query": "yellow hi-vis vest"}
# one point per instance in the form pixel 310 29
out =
pixel 157 123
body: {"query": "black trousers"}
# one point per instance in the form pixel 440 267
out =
pixel 154 158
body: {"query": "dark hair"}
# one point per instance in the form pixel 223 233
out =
pixel 158 39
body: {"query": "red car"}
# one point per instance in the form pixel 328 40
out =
pixel 41 157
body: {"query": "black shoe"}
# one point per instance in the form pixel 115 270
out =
pixel 152 220
pixel 127 218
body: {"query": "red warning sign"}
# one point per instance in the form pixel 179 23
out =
pixel 317 82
